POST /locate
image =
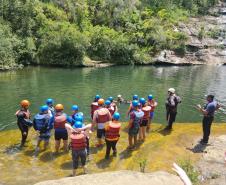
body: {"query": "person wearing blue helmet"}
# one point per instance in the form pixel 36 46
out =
pixel 94 105
pixel 76 114
pixel 109 107
pixel 153 104
pixel 50 104
pixel 135 97
pixel 146 109
pixel 43 124
pixel 78 145
pixel 112 135
pixel 113 104
pixel 136 116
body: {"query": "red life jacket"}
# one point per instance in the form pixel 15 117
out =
pixel 111 110
pixel 60 120
pixel 102 115
pixel 78 141
pixel 113 130
pixel 94 107
pixel 114 106
pixel 152 103
pixel 146 110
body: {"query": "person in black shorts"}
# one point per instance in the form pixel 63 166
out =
pixel 145 120
pixel 60 119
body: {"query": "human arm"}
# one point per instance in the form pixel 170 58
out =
pixel 87 127
pixel 69 129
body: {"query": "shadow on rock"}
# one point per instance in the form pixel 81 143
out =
pixel 104 163
pixel 125 154
pixel 67 165
pixel 198 148
pixel 165 131
pixel 47 156
pixel 94 149
pixel 30 153
pixel 13 149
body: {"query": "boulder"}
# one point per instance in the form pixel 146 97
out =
pixel 119 178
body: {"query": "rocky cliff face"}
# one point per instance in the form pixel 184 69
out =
pixel 206 42
pixel 119 178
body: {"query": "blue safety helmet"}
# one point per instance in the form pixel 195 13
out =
pixel 79 117
pixel 97 97
pixel 116 116
pixel 135 103
pixel 44 108
pixel 135 97
pixel 49 101
pixel 150 97
pixel 74 107
pixel 107 102
pixel 78 124
pixel 111 98
pixel 142 101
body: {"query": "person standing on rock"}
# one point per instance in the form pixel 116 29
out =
pixel 136 116
pixel 171 107
pixel 100 117
pixel 23 120
pixel 112 135
pixel 78 145
pixel 208 116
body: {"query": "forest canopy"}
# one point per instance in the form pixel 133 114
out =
pixel 64 32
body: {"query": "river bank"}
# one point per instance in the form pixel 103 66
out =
pixel 159 151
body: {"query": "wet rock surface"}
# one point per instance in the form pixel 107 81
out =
pixel 212 165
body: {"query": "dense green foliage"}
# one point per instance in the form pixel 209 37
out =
pixel 63 32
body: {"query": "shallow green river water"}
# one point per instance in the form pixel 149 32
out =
pixel 78 86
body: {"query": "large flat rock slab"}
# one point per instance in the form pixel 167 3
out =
pixel 119 178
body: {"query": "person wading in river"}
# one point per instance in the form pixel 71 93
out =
pixel 208 117
pixel 171 107
pixel 23 120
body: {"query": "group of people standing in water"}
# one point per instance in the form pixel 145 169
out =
pixel 105 118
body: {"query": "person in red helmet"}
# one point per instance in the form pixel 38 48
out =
pixel 100 118
pixel 23 120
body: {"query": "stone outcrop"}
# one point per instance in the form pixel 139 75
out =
pixel 119 178
pixel 206 42
pixel 213 163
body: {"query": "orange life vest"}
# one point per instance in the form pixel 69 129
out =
pixel 60 120
pixel 102 115
pixel 78 141
pixel 146 110
pixel 112 133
